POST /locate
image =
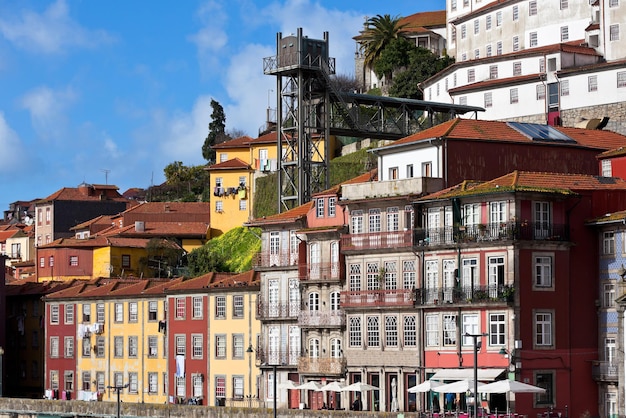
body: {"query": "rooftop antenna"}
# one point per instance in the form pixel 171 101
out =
pixel 106 175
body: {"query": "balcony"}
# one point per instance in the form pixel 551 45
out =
pixel 265 259
pixel 322 366
pixel 323 272
pixel 287 357
pixel 464 295
pixel 377 298
pixel 376 240
pixel 321 319
pixel 604 371
pixel 279 310
pixel 484 233
pixel 391 188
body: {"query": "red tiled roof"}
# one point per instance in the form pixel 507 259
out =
pixel 160 229
pixel 4 235
pixel 233 164
pixel 483 130
pixel 241 142
pixel 291 215
pixel 618 152
pixel 424 20
pixel 75 194
pixel 495 82
pixel 170 207
pixel 100 220
pixel 268 138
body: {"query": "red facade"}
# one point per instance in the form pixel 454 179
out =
pixel 61 346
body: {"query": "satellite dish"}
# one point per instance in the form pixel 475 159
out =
pixel 28 220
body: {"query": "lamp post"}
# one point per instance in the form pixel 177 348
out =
pixel 1 371
pixel 477 344
pixel 118 389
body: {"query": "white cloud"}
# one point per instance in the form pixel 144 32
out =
pixel 110 147
pixel 211 37
pixel 13 154
pixel 46 108
pixel 50 32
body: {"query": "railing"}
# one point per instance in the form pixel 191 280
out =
pixel 288 357
pixel 283 259
pixel 506 231
pixel 321 365
pixel 319 271
pixel 278 310
pixel 321 319
pixel 464 295
pixel 604 371
pixel 378 298
pixel 245 402
pixel 376 240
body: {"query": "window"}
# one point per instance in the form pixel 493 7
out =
pixel 463 32
pixel 488 49
pixel 181 348
pixel 54 314
pixel 86 378
pixel 493 71
pixel 532 8
pixel 498 18
pixel 152 310
pixel 356 222
pixel 427 169
pixel 564 33
pixel 391 275
pixel 374 220
pixel 515 43
pixel 133 347
pixel 153 346
pixel 432 330
pixel 220 346
pixel 608 242
pixel 86 312
pixel 68 347
pixel 238 387
pixel 613 3
pixel 100 347
pixel 592 83
pixel 125 261
pixel 471 75
pixel 181 307
pixel 118 343
pixel 132 312
pixel 514 96
pixel 42 262
pixel 453 5
pixel 119 312
pixel 238 346
pixel 621 79
pixel 197 307
pixel 471 214
pixel 220 307
pixel 355 331
pixel 543 270
pixel 181 388
pixel 543 329
pixel 69 314
pixel 153 382
pixel 499 48
pixel 609 296
pixel 74 260
pixel 496 275
pixel 564 87
pixel 488 22
pixel 220 386
pixel 488 99
pixel 68 380
pixel 470 326
pixel 320 208
pixel 564 4
pixel 223 157
pixel 100 313
pixel 410 331
pixel 196 346
pixel 544 380
pixel 541 91
pixel 335 348
pixel 497 327
pixel 409 171
pixel 54 379
pixel 332 206
pixel 533 39
pixel 373 331
pixel 51 261
pixel 453 34
pixel 607 170
pixel 314 348
pixel 449 330
pixel 372 276
pixel 391 331
pixel 243 204
pixel 86 346
pixel 463 100
pixel 219 206
pixel 314 302
pixel 54 347
pixel 476 26
pixel 238 306
pixel 355 277
pixel 515 13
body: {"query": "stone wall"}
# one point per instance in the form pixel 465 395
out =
pixel 32 408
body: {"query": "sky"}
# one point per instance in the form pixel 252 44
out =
pixel 110 92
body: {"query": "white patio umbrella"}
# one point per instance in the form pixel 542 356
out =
pixel 509 386
pixel 332 387
pixel 459 386
pixel 359 387
pixel 311 385
pixel 289 384
pixel 425 386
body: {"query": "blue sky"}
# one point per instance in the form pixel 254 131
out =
pixel 125 86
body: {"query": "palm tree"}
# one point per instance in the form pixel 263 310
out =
pixel 379 32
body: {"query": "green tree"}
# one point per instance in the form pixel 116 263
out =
pixel 162 257
pixel 379 31
pixel 217 131
pixel 396 55
pixel 423 64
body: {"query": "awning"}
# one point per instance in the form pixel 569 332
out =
pixel 460 374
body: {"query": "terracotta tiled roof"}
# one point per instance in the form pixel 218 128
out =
pixel 170 207
pixel 424 20
pixel 618 152
pixel 610 218
pixel 497 82
pixel 528 181
pixel 160 229
pixel 30 286
pixel 100 241
pixel 4 235
pixel 291 215
pixel 249 278
pixel 75 194
pixel 482 130
pixel 371 175
pixel 197 283
pixel 592 26
pixel 241 142
pixel 268 138
pixel 100 220
pixel 233 164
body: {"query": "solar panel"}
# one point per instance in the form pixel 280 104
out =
pixel 538 132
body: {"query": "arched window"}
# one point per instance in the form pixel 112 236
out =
pixel 314 348
pixel 335 348
pixel 334 301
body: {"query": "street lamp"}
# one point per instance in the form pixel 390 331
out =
pixel 477 344
pixel 250 350
pixel 118 389
pixel 1 355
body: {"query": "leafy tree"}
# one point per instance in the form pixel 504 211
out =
pixel 186 183
pixel 217 131
pixel 395 55
pixel 379 32
pixel 423 64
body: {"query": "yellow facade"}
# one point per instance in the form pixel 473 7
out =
pixel 190 244
pixel 235 367
pixel 107 261
pixel 233 209
pixel 129 347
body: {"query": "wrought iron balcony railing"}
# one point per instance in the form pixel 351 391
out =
pixel 277 310
pixel 321 319
pixel 505 231
pixel 376 240
pixel 316 365
pixel 604 371
pixel 464 295
pixel 278 357
pixel 283 259
pixel 377 298
pixel 320 271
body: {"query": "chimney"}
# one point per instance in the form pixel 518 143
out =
pixel 140 226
